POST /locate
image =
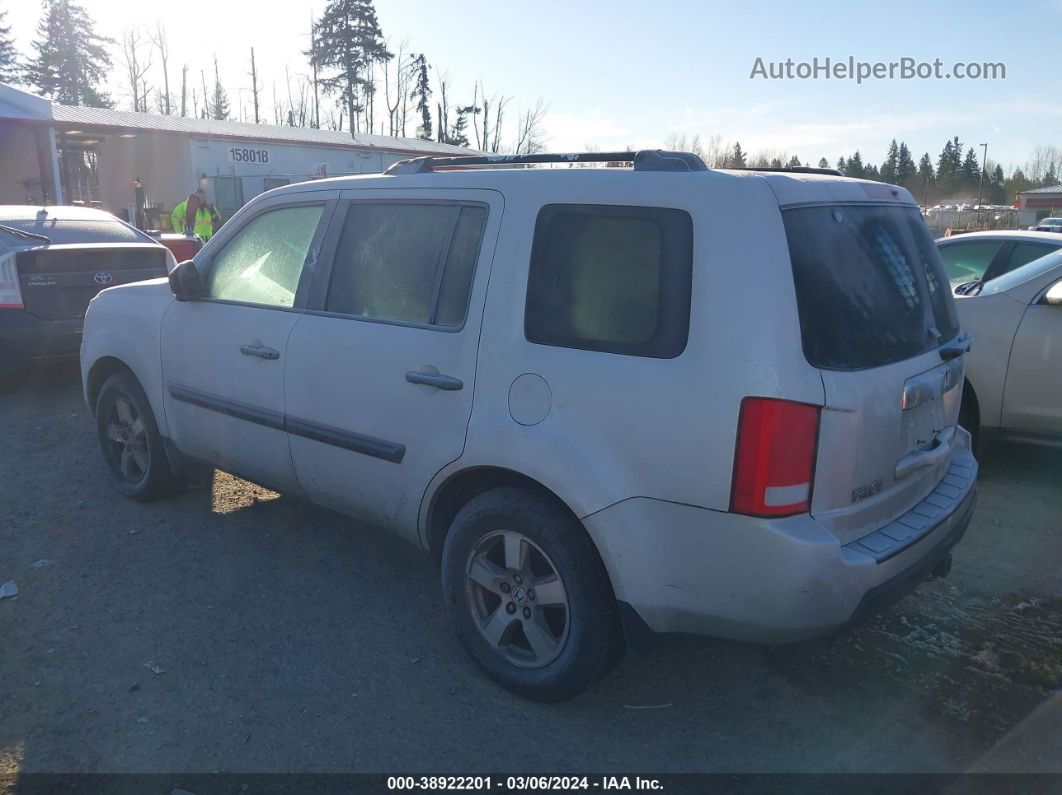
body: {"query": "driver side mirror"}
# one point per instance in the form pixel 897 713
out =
pixel 186 283
pixel 1053 296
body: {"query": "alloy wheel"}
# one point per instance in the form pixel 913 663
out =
pixel 517 599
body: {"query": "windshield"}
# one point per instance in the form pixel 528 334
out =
pixel 1028 271
pixel 870 286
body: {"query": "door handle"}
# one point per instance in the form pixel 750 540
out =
pixel 261 351
pixel 437 380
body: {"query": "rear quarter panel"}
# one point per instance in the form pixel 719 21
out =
pixel 991 321
pixel 627 426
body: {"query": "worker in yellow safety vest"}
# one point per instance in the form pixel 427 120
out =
pixel 202 223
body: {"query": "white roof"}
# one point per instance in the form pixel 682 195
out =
pixel 22 105
pixel 1007 234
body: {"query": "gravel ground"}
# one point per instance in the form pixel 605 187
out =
pixel 232 629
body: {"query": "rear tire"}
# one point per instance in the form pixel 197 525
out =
pixel 130 442
pixel 528 595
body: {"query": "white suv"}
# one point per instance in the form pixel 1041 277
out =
pixel 606 400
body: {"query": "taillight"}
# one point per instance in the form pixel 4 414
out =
pixel 10 289
pixel 774 463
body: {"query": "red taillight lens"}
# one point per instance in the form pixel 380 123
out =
pixel 774 463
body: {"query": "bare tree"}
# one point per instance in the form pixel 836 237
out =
pixel 254 87
pixel 530 132
pixel 163 46
pixel 184 90
pixel 137 66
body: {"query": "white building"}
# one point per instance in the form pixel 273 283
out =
pixel 59 154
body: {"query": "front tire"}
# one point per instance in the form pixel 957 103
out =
pixel 130 442
pixel 528 595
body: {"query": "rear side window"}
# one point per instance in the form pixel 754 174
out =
pixel 610 278
pixel 1023 253
pixel 870 286
pixel 967 262
pixel 407 262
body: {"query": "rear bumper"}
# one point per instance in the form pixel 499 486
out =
pixel 25 338
pixel 692 570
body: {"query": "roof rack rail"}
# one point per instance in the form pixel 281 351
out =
pixel 833 172
pixel 644 160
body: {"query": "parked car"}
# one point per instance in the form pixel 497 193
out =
pixel 1014 370
pixel 664 399
pixel 1049 225
pixel 53 260
pixel 978 257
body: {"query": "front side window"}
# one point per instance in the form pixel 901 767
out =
pixel 263 262
pixel 967 262
pixel 407 262
pixel 611 278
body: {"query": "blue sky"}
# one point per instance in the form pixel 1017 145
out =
pixel 628 73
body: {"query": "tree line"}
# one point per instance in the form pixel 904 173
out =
pixel 952 176
pixel 357 81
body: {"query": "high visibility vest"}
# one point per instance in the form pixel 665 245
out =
pixel 204 226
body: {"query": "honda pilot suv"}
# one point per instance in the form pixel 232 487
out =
pixel 608 401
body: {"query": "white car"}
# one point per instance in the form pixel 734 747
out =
pixel 1014 370
pixel 660 398
pixel 978 257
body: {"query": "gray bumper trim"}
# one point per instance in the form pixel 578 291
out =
pixel 923 518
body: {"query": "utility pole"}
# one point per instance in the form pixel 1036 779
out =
pixel 981 185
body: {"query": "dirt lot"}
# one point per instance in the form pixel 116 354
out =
pixel 287 638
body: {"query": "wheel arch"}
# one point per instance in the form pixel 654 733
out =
pixel 460 487
pixel 102 369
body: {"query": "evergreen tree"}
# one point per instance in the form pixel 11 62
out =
pixel 794 162
pixel 422 93
pixel 853 167
pixel 347 38
pixel 1050 177
pixel 70 58
pixel 905 166
pixel 971 169
pixel 870 171
pixel 737 157
pixel 925 167
pixel 945 170
pixel 888 168
pixel 219 102
pixel 996 191
pixel 824 163
pixel 10 70
pixel 776 162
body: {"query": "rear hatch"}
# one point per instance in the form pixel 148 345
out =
pixel 878 321
pixel 58 281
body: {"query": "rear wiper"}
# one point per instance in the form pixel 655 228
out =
pixel 24 234
pixel 970 288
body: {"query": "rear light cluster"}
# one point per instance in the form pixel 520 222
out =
pixel 774 462
pixel 10 289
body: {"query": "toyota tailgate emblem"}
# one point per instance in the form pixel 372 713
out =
pixel 103 278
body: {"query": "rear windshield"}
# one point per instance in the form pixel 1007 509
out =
pixel 870 286
pixel 79 231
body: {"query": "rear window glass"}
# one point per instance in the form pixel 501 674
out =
pixel 870 286
pixel 610 278
pixel 60 231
